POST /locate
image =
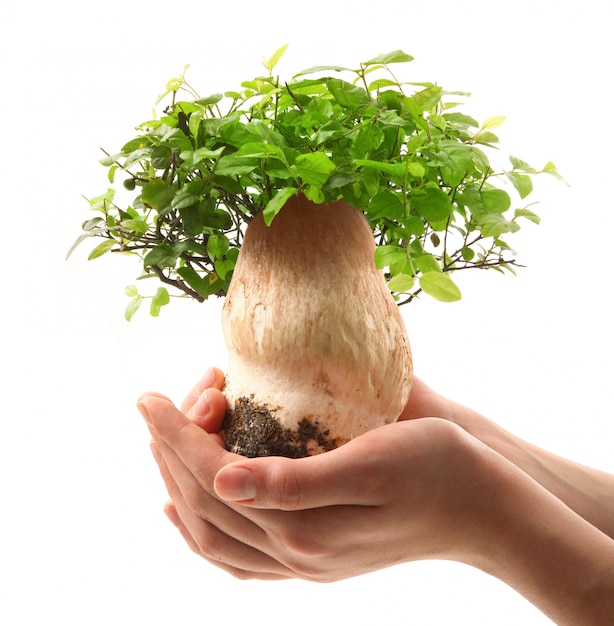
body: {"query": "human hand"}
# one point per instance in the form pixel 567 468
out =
pixel 420 488
pixel 411 490
pixel 580 487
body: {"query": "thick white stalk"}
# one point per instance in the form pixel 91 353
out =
pixel 315 340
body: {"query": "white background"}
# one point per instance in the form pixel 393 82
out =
pixel 83 539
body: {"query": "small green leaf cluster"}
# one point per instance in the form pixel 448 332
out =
pixel 402 153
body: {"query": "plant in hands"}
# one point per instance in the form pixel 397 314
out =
pixel 315 205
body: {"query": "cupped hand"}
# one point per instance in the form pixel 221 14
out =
pixel 411 490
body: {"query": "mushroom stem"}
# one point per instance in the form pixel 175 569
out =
pixel 318 352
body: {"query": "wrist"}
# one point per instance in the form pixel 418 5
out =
pixel 548 553
pixel 583 489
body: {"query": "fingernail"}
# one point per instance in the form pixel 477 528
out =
pixel 208 380
pixel 202 406
pixel 143 410
pixel 235 484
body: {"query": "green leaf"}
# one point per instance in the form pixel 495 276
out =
pixel 161 157
pixel 347 95
pixel 416 169
pixel 380 83
pixel 495 200
pixel 440 286
pixel 275 57
pixel 110 159
pixel 259 149
pixel 322 68
pixel 101 249
pixel 231 165
pixel 217 246
pixel 131 291
pixel 433 204
pixel 193 219
pixel 522 183
pixel 93 224
pixel 551 169
pixel 529 215
pixel 454 159
pixel 161 298
pixel 395 169
pixel 194 157
pixel 202 286
pixel 427 99
pixel 133 307
pixel 184 200
pixel 138 225
pixel 397 56
pixel 386 204
pixel 495 225
pixel 401 283
pixel 493 122
pixel 189 245
pixel 161 256
pixel 103 202
pixel 158 194
pixel 223 268
pixel 314 168
pixel 134 145
pixel 467 253
pixel 484 201
pixel 414 225
pixel 486 138
pixel 427 263
pixel 174 84
pixel 276 203
pixel 214 98
pixel 461 120
pixel 314 193
pixel 366 141
pixel 217 220
pixel 519 164
pixel 76 244
pixel 154 309
pixel 389 255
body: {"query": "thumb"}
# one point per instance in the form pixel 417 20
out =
pixel 343 476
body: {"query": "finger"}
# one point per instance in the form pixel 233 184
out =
pixel 351 474
pixel 209 410
pixel 207 540
pixel 199 452
pixel 227 551
pixel 183 488
pixel 191 459
pixel 424 402
pixel 170 511
pixel 213 378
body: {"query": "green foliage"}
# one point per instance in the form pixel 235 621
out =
pixel 403 153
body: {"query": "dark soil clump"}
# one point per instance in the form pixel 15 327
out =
pixel 252 430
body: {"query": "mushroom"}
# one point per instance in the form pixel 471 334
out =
pixel 318 351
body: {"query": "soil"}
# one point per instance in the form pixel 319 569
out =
pixel 252 430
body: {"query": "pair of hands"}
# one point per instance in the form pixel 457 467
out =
pixel 416 489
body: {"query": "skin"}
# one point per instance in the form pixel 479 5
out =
pixel 455 487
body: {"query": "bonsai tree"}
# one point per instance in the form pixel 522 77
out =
pixel 316 206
